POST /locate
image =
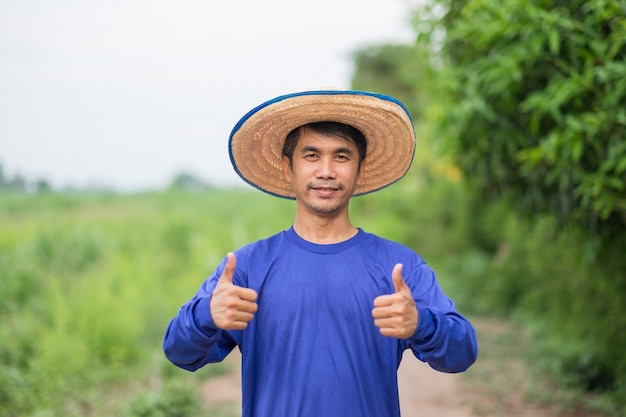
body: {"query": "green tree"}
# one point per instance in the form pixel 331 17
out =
pixel 535 99
pixel 536 92
pixel 394 70
pixel 187 181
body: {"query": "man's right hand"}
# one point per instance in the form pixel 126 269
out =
pixel 232 307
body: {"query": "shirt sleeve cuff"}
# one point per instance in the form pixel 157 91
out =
pixel 203 318
pixel 426 325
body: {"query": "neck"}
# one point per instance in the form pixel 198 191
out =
pixel 322 230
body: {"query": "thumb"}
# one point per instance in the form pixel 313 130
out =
pixel 229 269
pixel 398 280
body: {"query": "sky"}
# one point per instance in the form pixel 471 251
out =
pixel 125 94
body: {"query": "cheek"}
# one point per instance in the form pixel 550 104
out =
pixel 302 170
pixel 352 172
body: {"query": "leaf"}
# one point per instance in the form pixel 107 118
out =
pixel 577 149
pixel 554 40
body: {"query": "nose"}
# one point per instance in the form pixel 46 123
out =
pixel 326 169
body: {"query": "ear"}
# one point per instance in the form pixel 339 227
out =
pixel 361 173
pixel 286 168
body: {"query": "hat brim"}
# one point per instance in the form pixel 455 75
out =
pixel 256 142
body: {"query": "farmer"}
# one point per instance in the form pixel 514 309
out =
pixel 322 312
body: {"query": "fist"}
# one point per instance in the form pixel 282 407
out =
pixel 232 307
pixel 396 314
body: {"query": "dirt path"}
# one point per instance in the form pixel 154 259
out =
pixel 498 385
pixel 426 392
pixel 423 391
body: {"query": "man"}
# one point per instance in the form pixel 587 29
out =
pixel 322 312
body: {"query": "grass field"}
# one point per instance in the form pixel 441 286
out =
pixel 88 284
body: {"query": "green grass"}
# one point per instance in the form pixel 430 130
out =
pixel 90 282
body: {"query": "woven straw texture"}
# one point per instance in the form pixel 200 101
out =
pixel 257 140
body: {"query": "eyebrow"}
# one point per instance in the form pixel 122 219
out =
pixel 341 149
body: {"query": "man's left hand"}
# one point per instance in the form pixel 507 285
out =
pixel 396 314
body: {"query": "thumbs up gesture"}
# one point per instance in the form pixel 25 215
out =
pixel 396 314
pixel 232 307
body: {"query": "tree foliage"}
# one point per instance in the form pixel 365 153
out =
pixel 394 70
pixel 535 99
pixel 536 96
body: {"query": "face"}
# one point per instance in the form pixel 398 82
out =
pixel 324 172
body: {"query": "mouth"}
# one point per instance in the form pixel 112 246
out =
pixel 325 190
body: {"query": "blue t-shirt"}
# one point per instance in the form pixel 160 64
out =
pixel 312 348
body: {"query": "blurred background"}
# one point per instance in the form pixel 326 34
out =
pixel 117 197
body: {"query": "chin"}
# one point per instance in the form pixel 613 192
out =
pixel 327 209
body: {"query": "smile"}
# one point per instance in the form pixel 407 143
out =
pixel 325 190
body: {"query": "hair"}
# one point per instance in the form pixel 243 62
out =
pixel 341 130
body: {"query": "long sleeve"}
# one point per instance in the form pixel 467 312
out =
pixel 444 338
pixel 192 340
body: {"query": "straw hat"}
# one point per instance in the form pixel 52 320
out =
pixel 256 142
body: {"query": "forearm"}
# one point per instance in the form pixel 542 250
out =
pixel 192 340
pixel 446 341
